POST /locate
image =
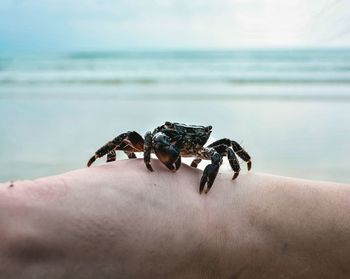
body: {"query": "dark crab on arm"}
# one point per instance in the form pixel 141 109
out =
pixel 170 142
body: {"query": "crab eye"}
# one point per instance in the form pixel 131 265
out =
pixel 207 129
pixel 169 124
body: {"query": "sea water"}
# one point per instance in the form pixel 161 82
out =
pixel 289 108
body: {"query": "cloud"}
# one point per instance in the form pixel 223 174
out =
pixel 120 24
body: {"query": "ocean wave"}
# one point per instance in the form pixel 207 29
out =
pixel 176 96
pixel 145 82
pixel 271 54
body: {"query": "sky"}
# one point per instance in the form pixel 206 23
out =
pixel 107 25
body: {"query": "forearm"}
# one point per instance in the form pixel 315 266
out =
pixel 116 220
pixel 119 220
pixel 295 228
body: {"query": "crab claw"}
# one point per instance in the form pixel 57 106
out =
pixel 92 159
pixel 210 172
pixel 235 175
pixel 249 165
pixel 167 153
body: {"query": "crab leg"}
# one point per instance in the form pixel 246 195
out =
pixel 236 148
pixel 111 156
pixel 195 162
pixel 232 159
pixel 129 142
pixel 131 155
pixel 224 150
pixel 242 153
pixel 147 149
pixel 128 149
pixel 210 172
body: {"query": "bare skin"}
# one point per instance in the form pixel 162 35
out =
pixel 119 220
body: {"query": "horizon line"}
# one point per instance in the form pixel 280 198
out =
pixel 175 49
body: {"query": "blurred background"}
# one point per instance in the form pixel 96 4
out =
pixel 273 75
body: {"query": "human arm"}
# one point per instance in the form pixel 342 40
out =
pixel 119 220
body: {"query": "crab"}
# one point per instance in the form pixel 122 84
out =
pixel 170 142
